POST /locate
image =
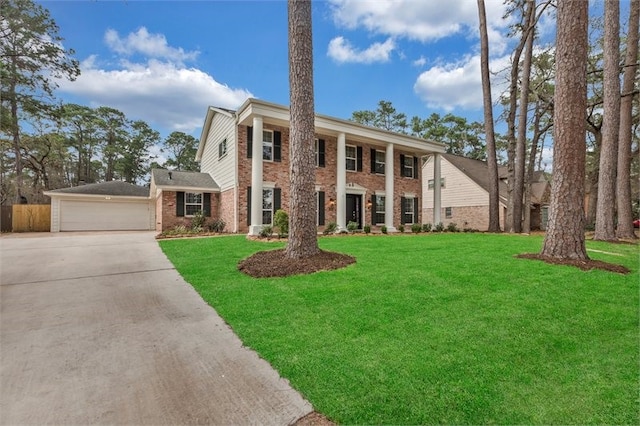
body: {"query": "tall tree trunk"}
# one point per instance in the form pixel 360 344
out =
pixel 623 183
pixel 303 239
pixel 492 162
pixel 521 142
pixel 565 232
pixel 537 134
pixel 605 210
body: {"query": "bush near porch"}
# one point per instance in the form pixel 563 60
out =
pixel 437 328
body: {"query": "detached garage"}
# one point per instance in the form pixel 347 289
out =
pixel 107 206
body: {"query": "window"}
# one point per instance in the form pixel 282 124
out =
pixel 380 209
pixel 448 214
pixel 267 145
pixel 409 213
pixel 222 149
pixel 430 183
pixel 407 166
pixel 352 158
pixel 319 152
pixel 379 162
pixel 192 203
pixel 267 206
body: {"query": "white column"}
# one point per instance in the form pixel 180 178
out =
pixel 341 183
pixel 388 188
pixel 437 203
pixel 256 178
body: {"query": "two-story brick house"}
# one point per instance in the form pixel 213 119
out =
pixel 363 174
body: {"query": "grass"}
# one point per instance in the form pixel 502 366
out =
pixel 438 328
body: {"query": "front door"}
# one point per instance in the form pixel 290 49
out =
pixel 354 212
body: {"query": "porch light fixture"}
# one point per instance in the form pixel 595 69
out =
pixel 332 202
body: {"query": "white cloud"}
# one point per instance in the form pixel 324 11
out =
pixel 163 92
pixel 458 85
pixel 149 45
pixel 416 20
pixel 420 62
pixel 340 50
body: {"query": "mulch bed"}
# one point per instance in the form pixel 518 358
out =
pixel 273 263
pixel 585 265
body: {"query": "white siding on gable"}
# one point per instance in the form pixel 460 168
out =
pixel 459 189
pixel 222 170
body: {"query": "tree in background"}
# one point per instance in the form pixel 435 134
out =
pixel 623 183
pixel 133 165
pixel 565 231
pixel 303 239
pixel 182 149
pixel 384 117
pixel 605 210
pixel 492 164
pixel 31 57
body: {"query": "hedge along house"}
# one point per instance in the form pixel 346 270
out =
pixel 178 196
pixel 363 174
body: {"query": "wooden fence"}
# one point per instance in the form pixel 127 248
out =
pixel 31 218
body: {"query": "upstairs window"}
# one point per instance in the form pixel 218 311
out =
pixel 408 166
pixel 378 159
pixel 430 183
pixel 222 149
pixel 352 158
pixel 267 145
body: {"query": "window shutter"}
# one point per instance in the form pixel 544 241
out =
pixel 320 152
pixel 249 141
pixel 402 173
pixel 277 146
pixel 179 204
pixel 320 208
pixel 403 211
pixel 373 161
pixel 277 192
pixel 248 206
pixel 415 168
pixel 415 210
pixel 373 209
pixel 207 204
pixel 359 158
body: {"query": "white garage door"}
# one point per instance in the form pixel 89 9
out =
pixel 103 216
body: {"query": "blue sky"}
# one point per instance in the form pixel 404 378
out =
pixel 165 62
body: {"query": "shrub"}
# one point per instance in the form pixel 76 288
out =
pixel 470 230
pixel 330 228
pixel 181 229
pixel 217 225
pixel 426 227
pixel 452 227
pixel 197 221
pixel 281 221
pixel 439 227
pixel 416 228
pixel 383 229
pixel 266 232
pixel 352 226
pixel 367 229
pixel 401 228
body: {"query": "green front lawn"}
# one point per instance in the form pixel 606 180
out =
pixel 437 328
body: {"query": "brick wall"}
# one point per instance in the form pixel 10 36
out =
pixel 167 219
pixel 472 217
pixel 278 172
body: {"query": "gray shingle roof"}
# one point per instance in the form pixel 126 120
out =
pixel 163 177
pixel 115 187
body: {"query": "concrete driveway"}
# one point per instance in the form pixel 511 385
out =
pixel 99 328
